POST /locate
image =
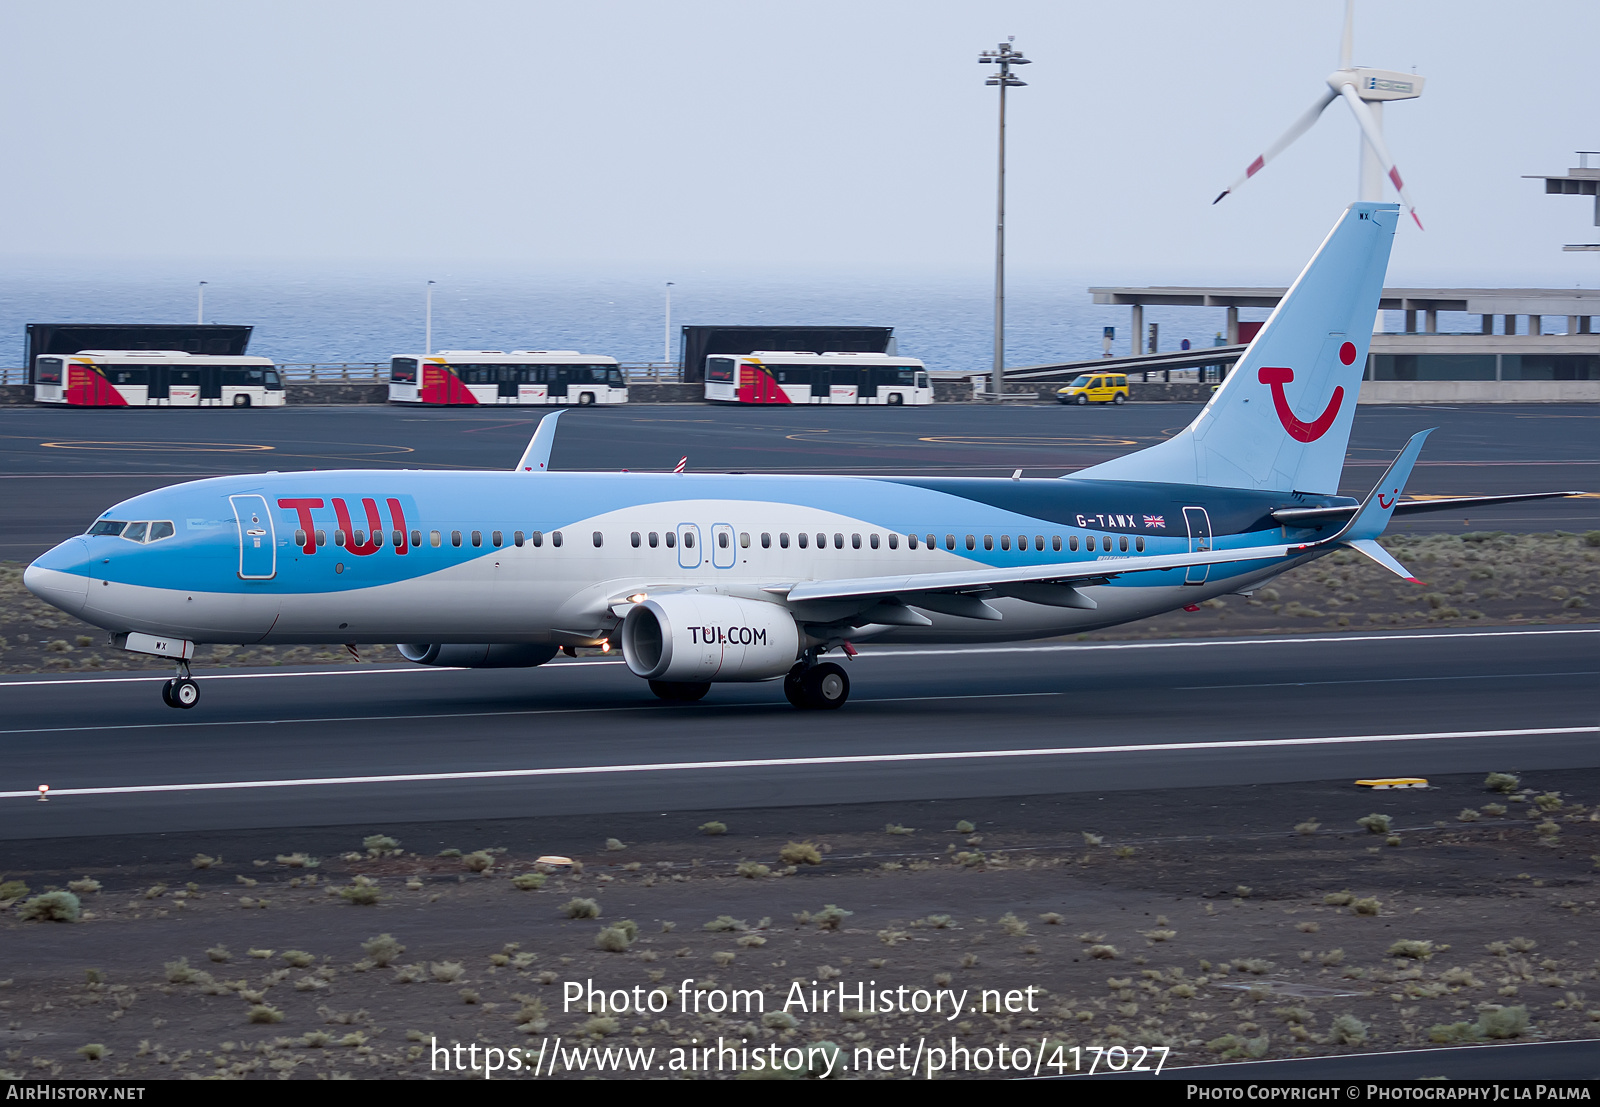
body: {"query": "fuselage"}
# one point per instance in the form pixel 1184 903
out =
pixel 408 556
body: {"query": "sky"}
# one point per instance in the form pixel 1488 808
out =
pixel 851 139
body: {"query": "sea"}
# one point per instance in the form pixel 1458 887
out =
pixel 334 315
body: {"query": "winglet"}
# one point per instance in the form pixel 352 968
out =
pixel 1378 507
pixel 536 458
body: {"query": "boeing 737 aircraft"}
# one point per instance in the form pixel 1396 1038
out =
pixel 707 578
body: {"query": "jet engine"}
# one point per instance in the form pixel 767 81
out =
pixel 491 655
pixel 691 637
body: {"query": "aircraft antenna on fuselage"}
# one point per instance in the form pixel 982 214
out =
pixel 536 458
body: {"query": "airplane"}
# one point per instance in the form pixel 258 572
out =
pixel 706 578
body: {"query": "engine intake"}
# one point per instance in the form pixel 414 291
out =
pixel 694 638
pixel 479 655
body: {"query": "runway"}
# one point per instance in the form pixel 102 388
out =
pixel 370 746
pixel 59 469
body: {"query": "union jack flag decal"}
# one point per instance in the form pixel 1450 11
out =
pixel 1156 521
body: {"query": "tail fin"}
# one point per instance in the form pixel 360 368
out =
pixel 1310 357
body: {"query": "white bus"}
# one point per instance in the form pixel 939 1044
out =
pixel 155 378
pixel 801 377
pixel 496 377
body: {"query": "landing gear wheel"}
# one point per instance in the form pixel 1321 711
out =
pixel 680 691
pixel 1083 399
pixel 185 693
pixel 794 689
pixel 825 686
pixel 166 694
pixel 1119 398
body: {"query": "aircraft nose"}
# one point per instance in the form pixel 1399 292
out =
pixel 61 577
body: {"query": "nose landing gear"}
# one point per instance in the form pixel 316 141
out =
pixel 182 690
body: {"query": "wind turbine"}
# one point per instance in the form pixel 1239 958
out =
pixel 1365 90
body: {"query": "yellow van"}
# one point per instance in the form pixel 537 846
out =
pixel 1096 388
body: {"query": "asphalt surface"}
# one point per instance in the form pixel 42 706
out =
pixel 60 468
pixel 583 737
pixel 1510 1061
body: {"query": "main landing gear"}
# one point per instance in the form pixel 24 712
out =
pixel 181 690
pixel 813 687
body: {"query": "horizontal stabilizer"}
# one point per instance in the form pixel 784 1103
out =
pixel 1382 557
pixel 536 458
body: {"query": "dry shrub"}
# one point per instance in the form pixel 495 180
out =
pixel 800 853
pixel 51 907
pixel 382 950
pixel 578 908
pixel 830 917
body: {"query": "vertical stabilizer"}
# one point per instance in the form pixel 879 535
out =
pixel 1282 419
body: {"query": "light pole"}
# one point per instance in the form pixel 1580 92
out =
pixel 1005 57
pixel 427 340
pixel 200 307
pixel 666 337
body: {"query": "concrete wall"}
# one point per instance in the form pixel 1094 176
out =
pixel 666 393
pixel 16 394
pixel 337 392
pixel 1480 392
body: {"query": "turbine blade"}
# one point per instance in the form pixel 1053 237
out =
pixel 1301 126
pixel 1369 128
pixel 1347 43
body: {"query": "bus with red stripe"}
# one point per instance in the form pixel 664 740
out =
pixel 497 377
pixel 802 377
pixel 155 378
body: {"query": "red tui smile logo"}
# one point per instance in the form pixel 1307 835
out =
pixel 1298 430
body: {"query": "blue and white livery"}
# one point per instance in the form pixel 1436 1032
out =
pixel 708 578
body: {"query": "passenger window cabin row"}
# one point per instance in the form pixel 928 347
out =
pixel 802 540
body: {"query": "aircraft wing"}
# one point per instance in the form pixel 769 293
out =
pixel 909 588
pixel 1312 516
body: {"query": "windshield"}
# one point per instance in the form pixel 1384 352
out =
pixel 1079 382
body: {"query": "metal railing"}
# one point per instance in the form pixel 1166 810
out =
pixel 329 372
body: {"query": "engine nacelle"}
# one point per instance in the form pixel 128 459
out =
pixel 491 655
pixel 692 637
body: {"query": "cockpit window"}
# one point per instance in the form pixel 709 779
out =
pixel 135 532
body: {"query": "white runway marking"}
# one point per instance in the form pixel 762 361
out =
pixel 868 651
pixel 799 762
pixel 1383 680
pixel 656 706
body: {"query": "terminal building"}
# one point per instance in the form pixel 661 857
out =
pixel 1531 344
